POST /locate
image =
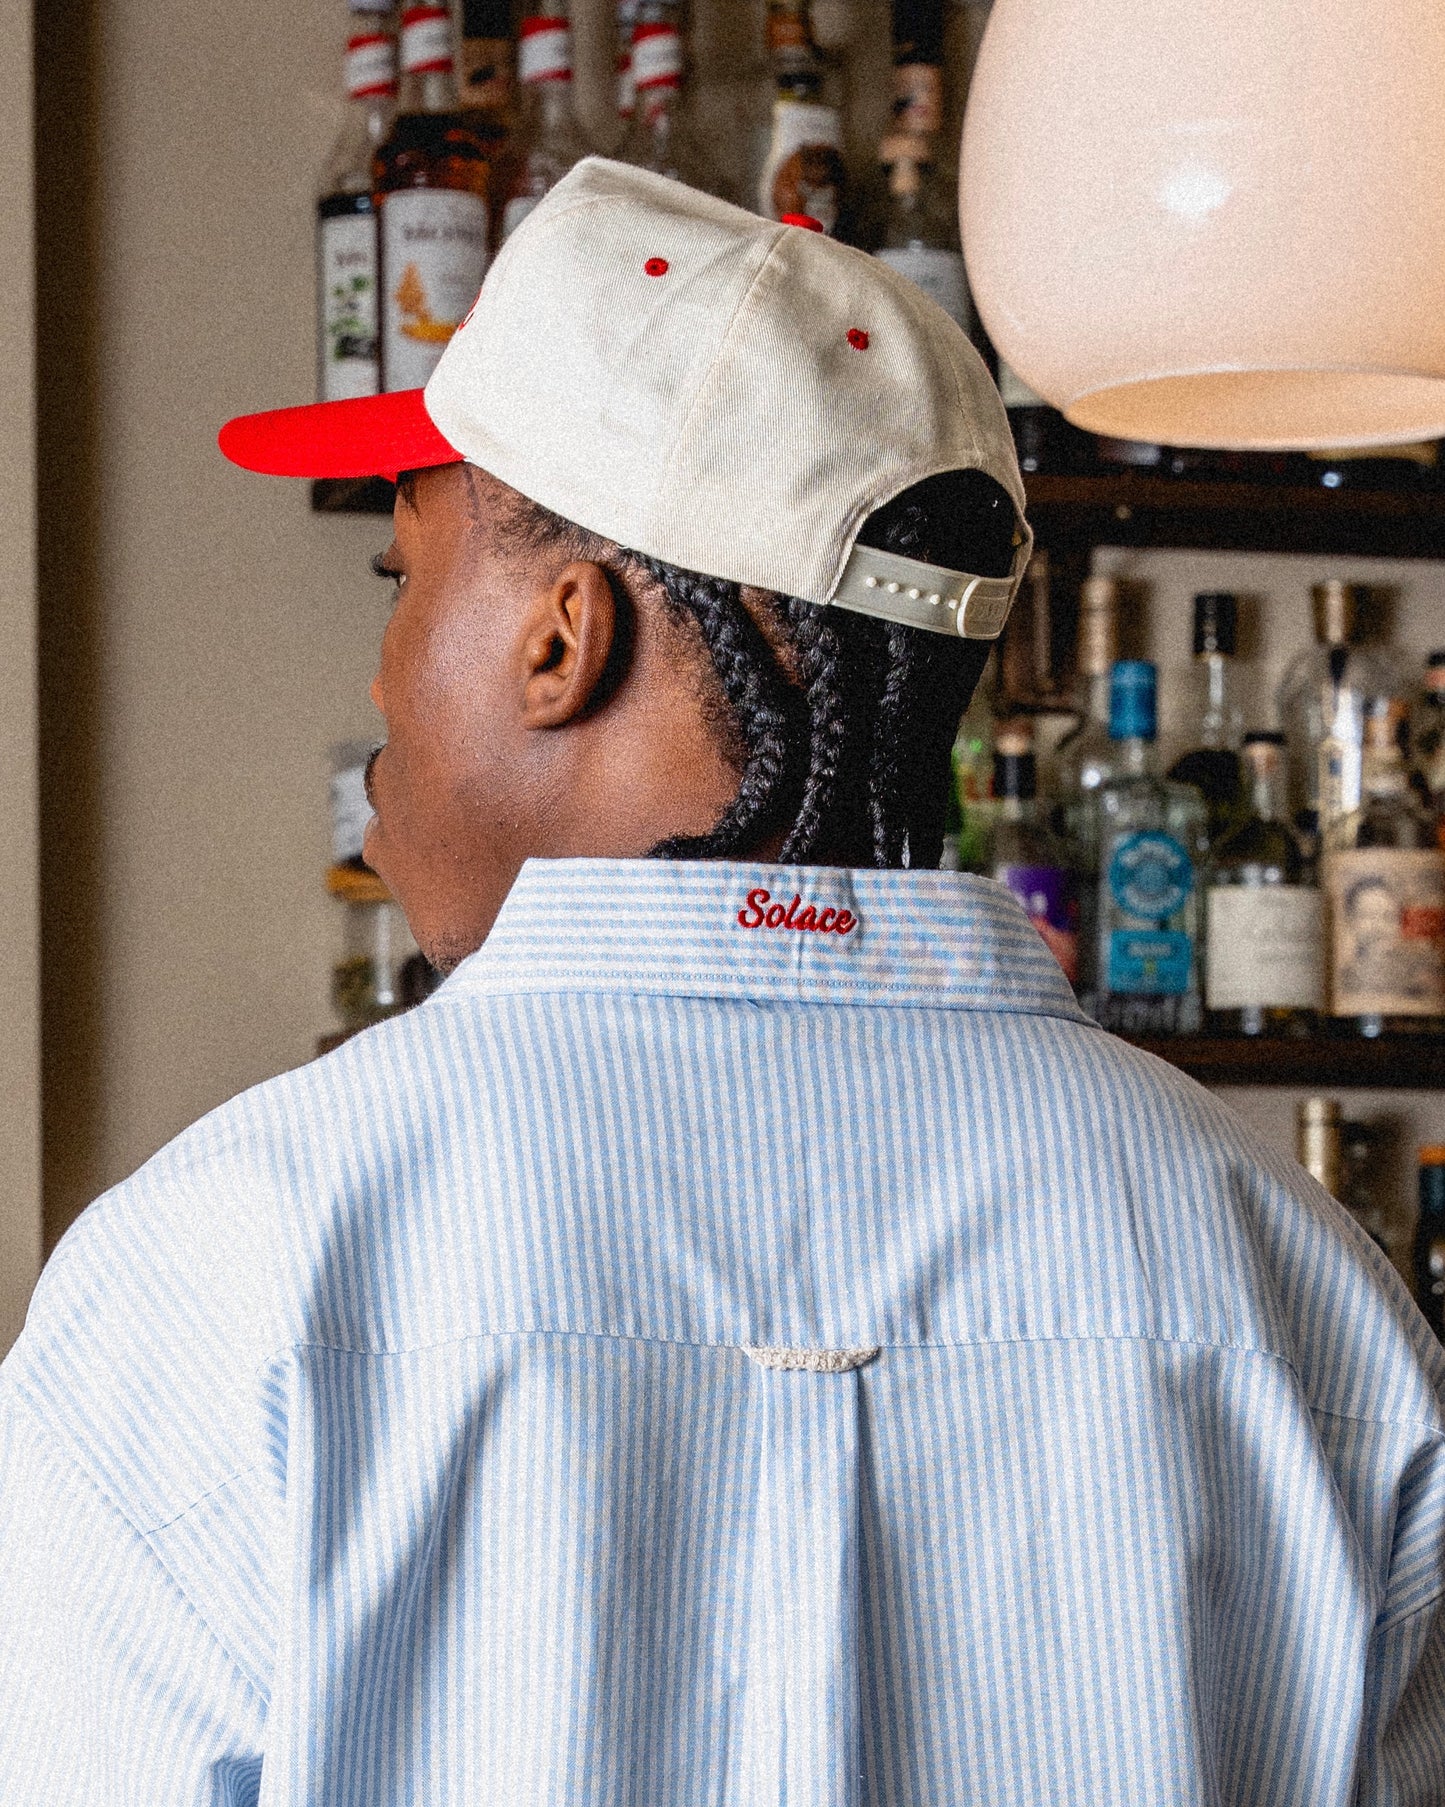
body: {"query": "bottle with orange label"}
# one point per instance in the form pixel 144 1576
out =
pixel 432 182
pixel 552 140
pixel 346 275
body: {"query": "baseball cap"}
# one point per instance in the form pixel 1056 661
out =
pixel 721 392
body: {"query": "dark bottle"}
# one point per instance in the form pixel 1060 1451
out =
pixel 486 91
pixel 1212 764
pixel 1025 856
pixel 432 187
pixel 1430 1240
pixel 1046 443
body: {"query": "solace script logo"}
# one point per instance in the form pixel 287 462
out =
pixel 760 912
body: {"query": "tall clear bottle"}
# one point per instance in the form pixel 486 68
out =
pixel 1025 855
pixel 804 171
pixel 1323 699
pixel 1212 764
pixel 1264 939
pixel 1087 757
pixel 347 356
pixel 552 140
pixel 662 135
pixel 1384 881
pixel 432 185
pixel 1151 842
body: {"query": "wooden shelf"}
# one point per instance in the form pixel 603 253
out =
pixel 1136 509
pixel 1406 1062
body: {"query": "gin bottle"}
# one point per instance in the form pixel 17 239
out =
pixel 1151 838
pixel 1212 764
pixel 1264 971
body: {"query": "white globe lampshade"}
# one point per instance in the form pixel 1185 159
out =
pixel 1212 223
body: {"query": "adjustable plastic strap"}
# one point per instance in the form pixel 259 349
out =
pixel 913 594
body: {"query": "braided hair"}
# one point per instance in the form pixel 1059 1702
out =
pixel 843 744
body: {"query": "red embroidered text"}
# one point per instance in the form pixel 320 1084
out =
pixel 762 913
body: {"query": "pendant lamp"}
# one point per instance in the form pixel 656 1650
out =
pixel 1212 223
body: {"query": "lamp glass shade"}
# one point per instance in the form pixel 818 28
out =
pixel 1211 224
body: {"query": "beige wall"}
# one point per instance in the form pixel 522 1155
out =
pixel 20 1218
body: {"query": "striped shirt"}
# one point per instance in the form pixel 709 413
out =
pixel 748 1341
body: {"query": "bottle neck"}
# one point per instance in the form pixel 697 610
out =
pixel 555 110
pixel 428 91
pixel 1266 789
pixel 1214 723
pixel 1096 697
pixel 1137 756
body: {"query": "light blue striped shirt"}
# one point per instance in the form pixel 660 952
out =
pixel 688 1364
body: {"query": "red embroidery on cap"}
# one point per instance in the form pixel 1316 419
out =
pixel 760 912
pixel 805 220
pixel 857 338
pixel 657 266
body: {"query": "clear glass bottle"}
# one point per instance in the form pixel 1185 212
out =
pixel 626 82
pixel 804 171
pixel 551 140
pixel 662 135
pixel 1264 917
pixel 1384 881
pixel 432 184
pixel 1429 1248
pixel 1025 855
pixel 1212 764
pixel 1151 838
pixel 1323 699
pixel 1087 757
pixel 1427 740
pixel 347 358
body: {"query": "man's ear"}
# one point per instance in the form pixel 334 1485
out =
pixel 567 645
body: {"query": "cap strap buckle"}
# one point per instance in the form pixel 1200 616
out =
pixel 912 594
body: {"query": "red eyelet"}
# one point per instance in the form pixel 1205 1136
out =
pixel 657 266
pixel 857 338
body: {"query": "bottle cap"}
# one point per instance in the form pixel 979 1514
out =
pixel 1337 612
pixel 1015 775
pixel 1216 617
pixel 1433 1154
pixel 1264 737
pixel 1264 752
pixel 1133 700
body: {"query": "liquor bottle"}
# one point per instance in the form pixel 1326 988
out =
pixel 1028 678
pixel 346 248
pixel 1427 740
pixel 1429 1250
pixel 1264 918
pixel 1025 855
pixel 1088 756
pixel 626 81
pixel 1336 1154
pixel 1047 445
pixel 661 136
pixel 1212 764
pixel 1323 699
pixel 488 98
pixel 1384 879
pixel 1151 840
pixel 431 181
pixel 552 140
pixel 804 172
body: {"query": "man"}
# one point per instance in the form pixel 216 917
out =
pixel 749 1338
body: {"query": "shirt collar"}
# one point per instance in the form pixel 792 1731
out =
pixel 744 929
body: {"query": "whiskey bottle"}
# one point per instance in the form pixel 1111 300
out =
pixel 1212 764
pixel 488 97
pixel 552 140
pixel 432 179
pixel 1384 879
pixel 661 136
pixel 1025 856
pixel 804 172
pixel 1264 940
pixel 1151 841
pixel 346 248
pixel 1087 757
pixel 1429 1249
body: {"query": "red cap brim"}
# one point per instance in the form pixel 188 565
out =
pixel 371 436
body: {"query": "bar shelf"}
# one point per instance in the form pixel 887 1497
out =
pixel 1395 1062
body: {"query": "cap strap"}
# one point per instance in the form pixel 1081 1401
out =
pixel 906 591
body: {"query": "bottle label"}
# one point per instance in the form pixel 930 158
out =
pixel 346 281
pixel 1014 391
pixel 1387 931
pixel 426 40
pixel 433 259
pixel 1151 875
pixel 939 273
pixel 805 172
pixel 918 99
pixel 1265 948
pixel 1051 904
pixel 656 57
pixel 370 65
pixel 544 51
pixel 1150 962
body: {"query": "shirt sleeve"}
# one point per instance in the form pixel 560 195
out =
pixel 115 1689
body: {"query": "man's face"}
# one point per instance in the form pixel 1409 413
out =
pixel 447 788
